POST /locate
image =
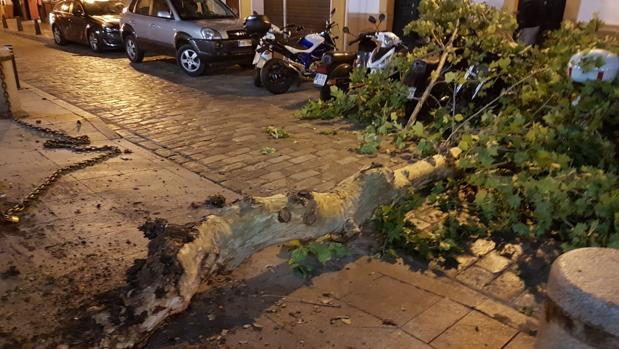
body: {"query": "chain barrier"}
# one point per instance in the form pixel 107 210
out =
pixel 60 140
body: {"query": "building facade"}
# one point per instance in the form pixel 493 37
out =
pixel 312 14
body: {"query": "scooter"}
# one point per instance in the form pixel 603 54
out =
pixel 376 50
pixel 260 28
pixel 297 63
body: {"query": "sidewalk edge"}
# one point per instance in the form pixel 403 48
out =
pixel 94 120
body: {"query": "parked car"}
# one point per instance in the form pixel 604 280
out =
pixel 92 22
pixel 197 32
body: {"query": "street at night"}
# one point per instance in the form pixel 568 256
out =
pixel 367 174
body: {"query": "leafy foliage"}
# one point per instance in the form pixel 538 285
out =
pixel 539 156
pixel 276 132
pixel 303 255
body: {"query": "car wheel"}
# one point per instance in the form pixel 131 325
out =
pixel 134 53
pixel 189 60
pixel 93 41
pixel 58 36
pixel 257 79
pixel 276 76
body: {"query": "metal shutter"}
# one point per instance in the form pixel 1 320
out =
pixel 310 14
pixel 274 9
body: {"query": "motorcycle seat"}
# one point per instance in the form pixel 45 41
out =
pixel 342 57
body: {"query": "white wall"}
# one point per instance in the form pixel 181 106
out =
pixel 494 3
pixel 360 6
pixel 607 10
pixel 257 5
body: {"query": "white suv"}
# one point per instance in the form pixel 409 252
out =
pixel 197 32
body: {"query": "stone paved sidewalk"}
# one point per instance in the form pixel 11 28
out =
pixel 356 303
pixel 80 238
pixel 213 125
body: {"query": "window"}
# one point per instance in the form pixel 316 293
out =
pixel 161 6
pixel 202 9
pixel 142 7
pixel 101 8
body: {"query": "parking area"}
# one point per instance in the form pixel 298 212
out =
pixel 213 125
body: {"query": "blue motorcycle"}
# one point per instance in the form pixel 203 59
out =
pixel 297 62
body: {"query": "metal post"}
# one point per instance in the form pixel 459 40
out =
pixel 285 12
pixel 10 48
pixel 20 27
pixel 37 27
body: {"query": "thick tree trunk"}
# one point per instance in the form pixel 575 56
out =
pixel 180 258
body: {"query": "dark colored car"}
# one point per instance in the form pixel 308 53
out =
pixel 92 22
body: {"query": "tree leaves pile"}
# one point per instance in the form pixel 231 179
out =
pixel 539 156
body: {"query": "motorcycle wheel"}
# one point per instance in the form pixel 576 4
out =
pixel 276 76
pixel 257 78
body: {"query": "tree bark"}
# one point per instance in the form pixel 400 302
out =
pixel 180 258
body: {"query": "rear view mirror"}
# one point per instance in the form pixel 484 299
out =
pixel 381 17
pixel 372 19
pixel 346 30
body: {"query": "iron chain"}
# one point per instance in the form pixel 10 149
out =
pixel 60 140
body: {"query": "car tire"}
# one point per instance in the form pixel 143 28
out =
pixel 257 78
pixel 276 76
pixel 58 36
pixel 133 51
pixel 93 41
pixel 189 60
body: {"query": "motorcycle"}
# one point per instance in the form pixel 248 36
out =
pixel 278 74
pixel 260 28
pixel 376 50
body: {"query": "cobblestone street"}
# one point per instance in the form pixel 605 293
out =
pixel 213 125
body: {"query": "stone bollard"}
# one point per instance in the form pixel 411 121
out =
pixel 582 301
pixel 9 85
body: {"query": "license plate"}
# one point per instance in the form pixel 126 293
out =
pixel 245 43
pixel 320 79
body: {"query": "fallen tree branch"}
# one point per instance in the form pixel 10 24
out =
pixel 491 103
pixel 435 76
pixel 180 258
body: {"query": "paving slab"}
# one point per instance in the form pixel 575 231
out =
pixel 436 319
pixel 473 332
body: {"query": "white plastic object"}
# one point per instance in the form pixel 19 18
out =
pixel 607 71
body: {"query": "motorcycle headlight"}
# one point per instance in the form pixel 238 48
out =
pixel 210 34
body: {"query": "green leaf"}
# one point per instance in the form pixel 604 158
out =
pixel 520 229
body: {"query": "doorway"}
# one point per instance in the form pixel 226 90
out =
pixel 405 11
